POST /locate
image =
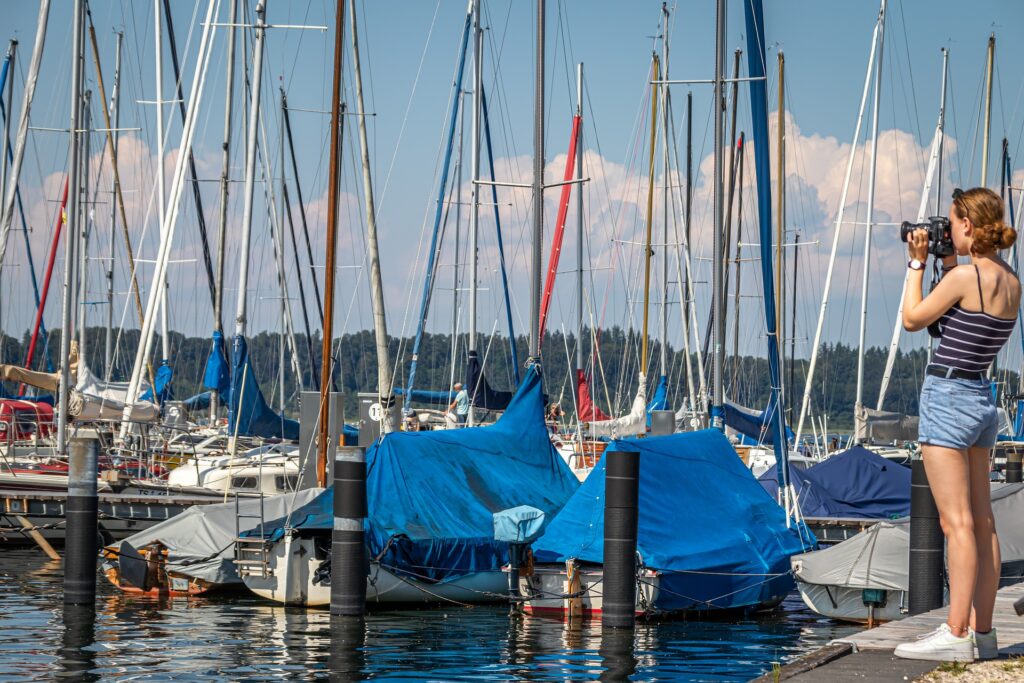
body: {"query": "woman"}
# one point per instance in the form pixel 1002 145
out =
pixel 975 306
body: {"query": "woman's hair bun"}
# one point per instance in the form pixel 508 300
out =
pixel 1007 236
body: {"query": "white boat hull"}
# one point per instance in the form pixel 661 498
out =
pixel 292 563
pixel 847 604
pixel 546 587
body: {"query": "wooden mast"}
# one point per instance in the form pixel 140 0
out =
pixel 655 77
pixel 332 242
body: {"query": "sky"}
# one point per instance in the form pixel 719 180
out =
pixel 409 52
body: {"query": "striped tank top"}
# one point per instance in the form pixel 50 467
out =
pixel 971 339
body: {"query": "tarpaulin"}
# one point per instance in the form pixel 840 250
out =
pixel 481 395
pixel 217 376
pixel 704 523
pixel 248 412
pixel 164 375
pixel 752 423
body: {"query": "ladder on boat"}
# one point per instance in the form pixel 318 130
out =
pixel 251 552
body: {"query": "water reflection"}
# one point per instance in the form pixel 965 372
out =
pixel 77 654
pixel 239 637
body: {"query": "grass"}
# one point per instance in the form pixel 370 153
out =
pixel 776 671
pixel 1014 664
pixel 955 668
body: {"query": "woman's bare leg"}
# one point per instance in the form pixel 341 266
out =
pixel 948 477
pixel 989 561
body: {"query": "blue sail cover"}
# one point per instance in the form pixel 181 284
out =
pixel 217 376
pixel 248 412
pixel 855 483
pixel 432 496
pixel 756 425
pixel 164 375
pixel 704 522
pixel 659 400
pixel 481 395
pixel 437 398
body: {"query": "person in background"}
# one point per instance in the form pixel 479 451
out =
pixel 552 416
pixel 460 405
pixel 974 307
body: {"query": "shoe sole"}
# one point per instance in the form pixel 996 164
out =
pixel 943 656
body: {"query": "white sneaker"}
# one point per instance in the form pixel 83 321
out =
pixel 985 644
pixel 939 646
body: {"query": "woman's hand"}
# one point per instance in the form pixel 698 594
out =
pixel 917 245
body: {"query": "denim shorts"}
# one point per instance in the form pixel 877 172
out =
pixel 957 413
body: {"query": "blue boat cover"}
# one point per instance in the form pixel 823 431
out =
pixel 217 376
pixel 248 412
pixel 437 398
pixel 718 539
pixel 481 395
pixel 756 425
pixel 854 483
pixel 432 496
pixel 164 375
pixel 42 398
pixel 200 401
pixel 659 400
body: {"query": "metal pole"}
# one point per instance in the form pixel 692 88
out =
pixel 536 261
pixel 250 168
pixel 161 188
pixel 736 266
pixel 663 356
pixel 871 210
pixel 12 50
pixel 780 227
pixel 474 216
pixel 942 139
pixel 718 271
pixel 792 322
pixel 83 222
pixel 925 568
pixel 579 225
pixel 988 108
pixel 218 307
pixel 457 193
pixel 72 231
pixel 686 232
pixel 621 505
pixel 115 105
pixel 380 325
pixel 730 168
pixel 348 543
pixel 333 190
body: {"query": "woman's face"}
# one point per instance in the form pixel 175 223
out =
pixel 961 230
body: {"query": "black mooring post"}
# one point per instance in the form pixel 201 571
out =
pixel 348 542
pixel 1013 467
pixel 80 545
pixel 621 494
pixel 926 544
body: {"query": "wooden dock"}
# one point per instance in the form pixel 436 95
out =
pixel 868 655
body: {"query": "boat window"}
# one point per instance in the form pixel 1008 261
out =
pixel 243 482
pixel 289 483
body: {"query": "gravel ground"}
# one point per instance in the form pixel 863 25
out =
pixel 996 671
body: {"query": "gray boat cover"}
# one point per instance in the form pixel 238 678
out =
pixel 200 541
pixel 879 556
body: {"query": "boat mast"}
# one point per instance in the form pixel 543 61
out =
pixel 989 67
pixel 333 190
pixel 380 325
pixel 871 210
pixel 83 223
pixel 538 189
pixel 10 191
pixel 579 230
pixel 474 215
pixel 736 265
pixel 8 71
pixel 655 77
pixel 115 105
pixel 718 270
pixel 218 306
pixel 161 190
pixel 72 217
pixel 730 166
pixel 809 382
pixel 457 196
pixel 663 359
pixel 780 227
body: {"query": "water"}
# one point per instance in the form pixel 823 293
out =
pixel 241 638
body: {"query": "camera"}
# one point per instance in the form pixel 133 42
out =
pixel 940 237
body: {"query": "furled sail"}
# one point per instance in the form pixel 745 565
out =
pixel 248 412
pixel 588 410
pixel 631 424
pixel 481 395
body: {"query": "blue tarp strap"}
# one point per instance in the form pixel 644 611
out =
pixel 754 13
pixel 428 284
pixel 501 245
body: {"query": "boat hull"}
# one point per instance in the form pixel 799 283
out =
pixel 293 561
pixel 847 604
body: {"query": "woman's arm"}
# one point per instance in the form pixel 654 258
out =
pixel 919 312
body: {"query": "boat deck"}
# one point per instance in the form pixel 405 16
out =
pixel 120 514
pixel 868 655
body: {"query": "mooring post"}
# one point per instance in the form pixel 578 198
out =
pixel 348 542
pixel 621 495
pixel 926 544
pixel 1013 466
pixel 80 545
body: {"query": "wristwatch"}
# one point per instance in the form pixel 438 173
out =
pixel 914 264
